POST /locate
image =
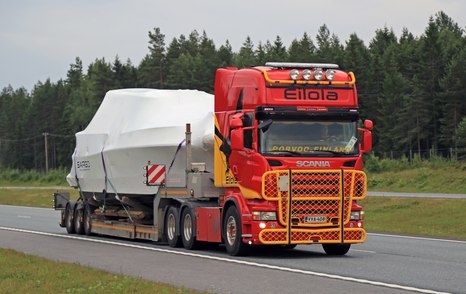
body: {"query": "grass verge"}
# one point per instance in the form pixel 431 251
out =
pixel 21 273
pixel 31 197
pixel 416 216
pixel 424 179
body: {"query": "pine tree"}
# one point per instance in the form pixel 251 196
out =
pixel 152 67
pixel 302 50
pixel 246 56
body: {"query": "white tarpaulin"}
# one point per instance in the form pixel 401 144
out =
pixel 134 126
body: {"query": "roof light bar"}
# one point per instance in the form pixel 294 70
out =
pixel 329 74
pixel 318 74
pixel 302 65
pixel 307 74
pixel 294 74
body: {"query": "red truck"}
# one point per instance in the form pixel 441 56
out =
pixel 285 169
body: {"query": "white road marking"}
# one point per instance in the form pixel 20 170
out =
pixel 418 238
pixel 229 260
pixel 366 251
pixel 23 216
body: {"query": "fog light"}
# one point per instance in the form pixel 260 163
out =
pixel 262 225
pixel 359 225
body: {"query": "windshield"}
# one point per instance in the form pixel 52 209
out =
pixel 308 138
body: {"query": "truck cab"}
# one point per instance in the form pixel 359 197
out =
pixel 289 154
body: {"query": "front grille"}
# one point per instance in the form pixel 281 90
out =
pixel 313 199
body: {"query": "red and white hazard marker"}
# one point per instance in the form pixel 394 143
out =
pixel 156 174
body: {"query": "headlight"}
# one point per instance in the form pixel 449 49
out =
pixel 355 215
pixel 307 74
pixel 294 74
pixel 329 74
pixel 264 215
pixel 318 74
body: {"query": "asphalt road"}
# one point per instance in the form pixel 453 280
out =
pixel 369 193
pixel 384 264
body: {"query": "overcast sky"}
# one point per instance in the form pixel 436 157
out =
pixel 40 39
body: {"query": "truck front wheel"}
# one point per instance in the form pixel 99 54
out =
pixel 233 233
pixel 188 227
pixel 336 249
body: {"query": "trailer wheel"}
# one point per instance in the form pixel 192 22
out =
pixel 172 227
pixel 79 220
pixel 232 230
pixel 336 249
pixel 69 223
pixel 87 225
pixel 188 227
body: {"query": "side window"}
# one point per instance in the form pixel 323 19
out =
pixel 247 122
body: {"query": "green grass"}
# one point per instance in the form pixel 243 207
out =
pixel 15 177
pixel 424 179
pixel 31 197
pixel 416 216
pixel 438 175
pixel 21 273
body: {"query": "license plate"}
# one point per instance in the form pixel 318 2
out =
pixel 315 219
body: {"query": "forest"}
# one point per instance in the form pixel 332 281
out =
pixel 412 87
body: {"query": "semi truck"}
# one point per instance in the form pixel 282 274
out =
pixel 273 158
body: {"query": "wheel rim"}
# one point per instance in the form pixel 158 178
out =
pixel 87 221
pixel 231 230
pixel 69 219
pixel 187 227
pixel 78 219
pixel 171 226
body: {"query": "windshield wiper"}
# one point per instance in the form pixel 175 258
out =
pixel 281 152
pixel 333 152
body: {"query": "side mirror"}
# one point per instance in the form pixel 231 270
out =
pixel 367 136
pixel 236 121
pixel 368 125
pixel 366 141
pixel 237 139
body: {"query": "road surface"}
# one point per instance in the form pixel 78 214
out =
pixel 369 193
pixel 384 264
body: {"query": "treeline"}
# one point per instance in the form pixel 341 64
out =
pixel 412 87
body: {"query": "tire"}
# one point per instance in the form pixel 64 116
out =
pixel 188 227
pixel 172 227
pixel 87 224
pixel 232 233
pixel 79 220
pixel 69 219
pixel 336 249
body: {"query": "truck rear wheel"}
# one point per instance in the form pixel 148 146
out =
pixel 188 227
pixel 69 222
pixel 172 227
pixel 336 249
pixel 87 224
pixel 79 220
pixel 233 233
